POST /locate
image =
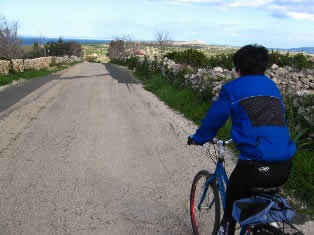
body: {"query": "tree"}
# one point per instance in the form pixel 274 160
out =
pixel 123 46
pixel 10 44
pixel 42 47
pixel 73 48
pixel 61 48
pixel 162 37
pixel 35 46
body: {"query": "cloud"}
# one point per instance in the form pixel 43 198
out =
pixel 249 3
pixel 196 1
pixel 295 9
pixel 300 15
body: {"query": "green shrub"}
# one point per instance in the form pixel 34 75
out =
pixel 206 90
pixel 222 60
pixel 61 48
pixel 132 62
pixel 191 57
pixel 299 127
pixel 143 68
pixel 155 66
pixel 177 79
pixel 298 61
pixel 118 61
pixel 198 59
pixel 34 52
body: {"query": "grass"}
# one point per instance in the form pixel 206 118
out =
pixel 183 100
pixel 180 99
pixel 301 182
pixel 29 74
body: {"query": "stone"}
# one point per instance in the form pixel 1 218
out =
pixel 300 75
pixel 218 70
pixel 200 71
pixel 17 65
pixel 4 67
pixel 281 71
pixel 288 68
pixel 228 76
pixel 271 75
pixel 274 67
pixel 305 81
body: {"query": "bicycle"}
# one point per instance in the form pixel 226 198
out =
pixel 213 192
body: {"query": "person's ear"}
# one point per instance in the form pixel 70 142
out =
pixel 238 73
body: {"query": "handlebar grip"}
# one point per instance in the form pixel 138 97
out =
pixel 191 141
pixel 224 142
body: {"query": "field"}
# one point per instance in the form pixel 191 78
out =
pixel 99 51
pixel 27 49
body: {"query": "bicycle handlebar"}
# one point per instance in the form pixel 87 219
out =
pixel 222 142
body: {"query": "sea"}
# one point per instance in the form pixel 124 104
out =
pixel 28 41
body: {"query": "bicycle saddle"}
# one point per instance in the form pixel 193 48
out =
pixel 259 190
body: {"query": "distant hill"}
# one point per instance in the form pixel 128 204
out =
pixel 189 43
pixel 309 50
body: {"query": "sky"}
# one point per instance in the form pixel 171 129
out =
pixel 272 23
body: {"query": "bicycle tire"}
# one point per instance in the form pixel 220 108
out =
pixel 207 223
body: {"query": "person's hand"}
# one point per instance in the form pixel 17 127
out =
pixel 191 141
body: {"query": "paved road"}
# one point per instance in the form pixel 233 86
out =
pixel 88 151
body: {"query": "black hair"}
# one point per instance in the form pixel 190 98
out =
pixel 251 60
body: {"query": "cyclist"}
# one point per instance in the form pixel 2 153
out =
pixel 259 129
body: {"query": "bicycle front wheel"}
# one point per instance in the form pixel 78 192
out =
pixel 206 219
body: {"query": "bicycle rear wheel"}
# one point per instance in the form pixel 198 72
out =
pixel 282 228
pixel 206 219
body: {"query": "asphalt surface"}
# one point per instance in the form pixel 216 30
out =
pixel 89 151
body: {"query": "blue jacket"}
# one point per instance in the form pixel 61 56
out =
pixel 259 128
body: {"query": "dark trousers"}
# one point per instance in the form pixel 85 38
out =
pixel 248 174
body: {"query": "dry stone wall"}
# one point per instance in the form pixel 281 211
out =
pixel 19 65
pixel 4 67
pixel 287 78
pixel 296 83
